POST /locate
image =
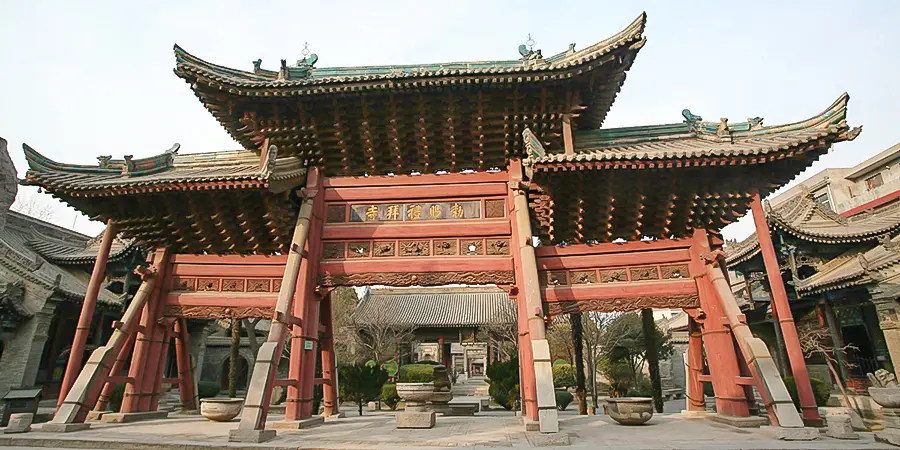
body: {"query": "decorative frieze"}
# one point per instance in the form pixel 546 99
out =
pixel 676 271
pixel 623 304
pixel 218 312
pixel 497 247
pixel 494 209
pixel 333 250
pixel 230 284
pixel 644 273
pixel 418 278
pixel 358 250
pixel 385 249
pixel 446 247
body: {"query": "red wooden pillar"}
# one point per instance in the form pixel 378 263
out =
pixel 73 365
pixel 782 308
pixel 162 357
pixel 143 361
pixel 526 362
pixel 118 365
pixel 695 398
pixel 302 363
pixel 720 351
pixel 187 382
pixel 329 388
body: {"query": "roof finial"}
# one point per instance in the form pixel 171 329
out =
pixel 530 42
pixel 305 51
pixel 527 49
pixel 309 58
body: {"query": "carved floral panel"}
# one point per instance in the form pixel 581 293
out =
pixel 258 285
pixel 415 248
pixel 336 214
pixel 184 284
pixel 445 247
pixel 333 250
pixel 208 284
pixel 358 249
pixel 584 276
pixel 613 276
pixel 497 246
pixel 644 273
pixel 385 249
pixel 471 246
pixel 677 271
pixel 494 209
pixel 233 285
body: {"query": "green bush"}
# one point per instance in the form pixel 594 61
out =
pixel 504 383
pixel 389 396
pixel 361 383
pixel 416 373
pixel 564 375
pixel 708 390
pixel 643 387
pixel 563 399
pixel 207 389
pixel 115 398
pixel 560 362
pixel 821 391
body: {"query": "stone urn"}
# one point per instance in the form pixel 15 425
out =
pixel 630 410
pixel 221 409
pixel 886 392
pixel 415 394
pixel 416 414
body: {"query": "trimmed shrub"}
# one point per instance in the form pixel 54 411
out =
pixel 560 362
pixel 821 391
pixel 504 383
pixel 361 383
pixel 389 396
pixel 207 389
pixel 643 387
pixel 416 373
pixel 563 399
pixel 564 375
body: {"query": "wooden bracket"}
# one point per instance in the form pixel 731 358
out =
pixel 697 314
pixel 288 319
pixel 145 272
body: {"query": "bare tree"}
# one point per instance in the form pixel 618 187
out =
pixel 31 204
pixel 250 327
pixel 598 339
pixel 505 335
pixel 379 335
pixel 815 340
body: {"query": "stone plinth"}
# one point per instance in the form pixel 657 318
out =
pixel 796 434
pixel 250 435
pixel 416 419
pixel 53 427
pixel 839 427
pixel 310 422
pixel 133 417
pixel 740 422
pixel 19 423
pixel 455 409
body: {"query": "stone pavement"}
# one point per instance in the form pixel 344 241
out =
pixel 375 430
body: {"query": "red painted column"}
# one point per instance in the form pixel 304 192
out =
pixel 526 362
pixel 306 308
pixel 717 339
pixel 187 385
pixel 782 308
pixel 695 399
pixel 73 365
pixel 166 339
pixel 329 389
pixel 143 365
pixel 118 365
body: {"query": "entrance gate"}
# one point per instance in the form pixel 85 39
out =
pixel 428 230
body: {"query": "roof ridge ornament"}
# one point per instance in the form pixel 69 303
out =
pixel 530 54
pixel 693 120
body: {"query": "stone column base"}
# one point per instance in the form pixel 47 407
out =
pixel 252 436
pixel 739 422
pixel 416 419
pixel 95 416
pixel 889 436
pixel 337 416
pixel 694 414
pixel 796 434
pixel 133 417
pixel 309 422
pixel 51 427
pixel 547 439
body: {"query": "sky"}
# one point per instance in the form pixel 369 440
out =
pixel 89 78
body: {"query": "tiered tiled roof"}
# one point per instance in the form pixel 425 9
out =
pixel 68 252
pixel 664 180
pixel 855 267
pixel 436 307
pixel 422 117
pixel 19 257
pixel 804 218
pixel 200 202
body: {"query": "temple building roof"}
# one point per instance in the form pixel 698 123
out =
pixel 448 307
pixel 61 251
pixel 855 267
pixel 423 117
pixel 19 256
pixel 806 219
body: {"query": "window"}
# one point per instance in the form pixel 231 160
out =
pixel 874 181
pixel 823 199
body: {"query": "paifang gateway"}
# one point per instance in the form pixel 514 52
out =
pixel 433 174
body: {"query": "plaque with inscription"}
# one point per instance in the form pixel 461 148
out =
pixel 415 212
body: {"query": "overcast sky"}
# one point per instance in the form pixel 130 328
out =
pixel 82 79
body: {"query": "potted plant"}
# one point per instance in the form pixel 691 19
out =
pixel 416 384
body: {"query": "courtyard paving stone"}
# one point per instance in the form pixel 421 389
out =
pixel 375 430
